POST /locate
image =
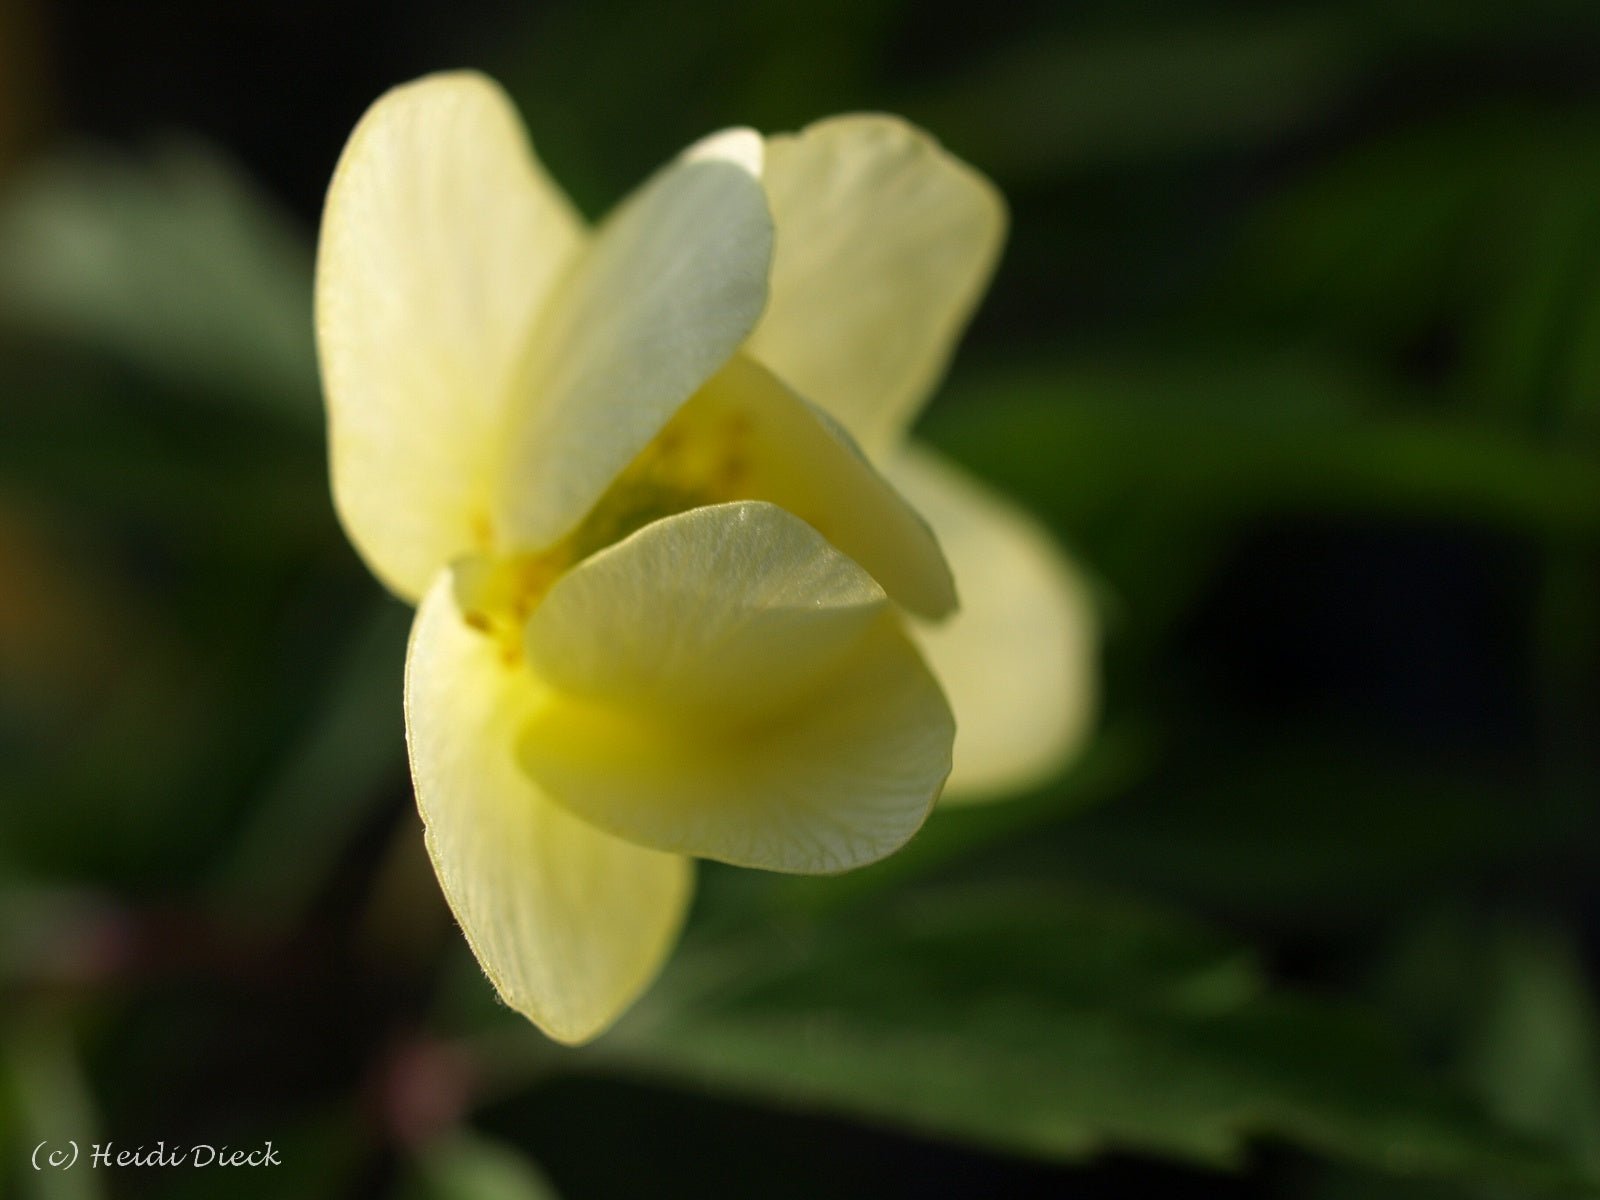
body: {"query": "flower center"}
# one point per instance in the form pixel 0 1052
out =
pixel 700 457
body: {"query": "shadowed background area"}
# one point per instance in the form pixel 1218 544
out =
pixel 1295 344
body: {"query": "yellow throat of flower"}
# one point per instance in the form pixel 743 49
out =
pixel 702 456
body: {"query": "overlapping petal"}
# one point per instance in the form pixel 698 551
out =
pixel 1017 660
pixel 729 685
pixel 441 238
pixel 885 242
pixel 569 922
pixel 674 281
pixel 786 451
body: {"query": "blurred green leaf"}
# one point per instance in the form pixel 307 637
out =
pixel 1304 825
pixel 1060 1025
pixel 1468 246
pixel 1074 97
pixel 467 1167
pixel 1151 469
pixel 1203 440
pixel 44 1086
pixel 1083 93
pixel 326 783
pixel 174 264
pixel 1369 245
pixel 1507 1003
pixel 1535 1055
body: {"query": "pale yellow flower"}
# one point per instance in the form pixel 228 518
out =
pixel 662 599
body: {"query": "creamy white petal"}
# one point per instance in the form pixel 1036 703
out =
pixel 570 923
pixel 673 282
pixel 885 243
pixel 780 449
pixel 441 237
pixel 1018 659
pixel 740 145
pixel 731 686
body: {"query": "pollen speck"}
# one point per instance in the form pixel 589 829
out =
pixel 482 531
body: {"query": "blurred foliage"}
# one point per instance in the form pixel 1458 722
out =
pixel 474 1169
pixel 1296 344
pixel 173 264
pixel 1060 1025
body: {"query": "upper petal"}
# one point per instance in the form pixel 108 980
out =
pixel 1018 659
pixel 674 281
pixel 441 237
pixel 569 923
pixel 730 685
pixel 885 243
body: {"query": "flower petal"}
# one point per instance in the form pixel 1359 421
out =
pixel 569 923
pixel 885 242
pixel 675 280
pixel 731 686
pixel 1018 659
pixel 792 454
pixel 441 237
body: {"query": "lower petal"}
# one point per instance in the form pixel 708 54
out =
pixel 727 684
pixel 1018 659
pixel 569 923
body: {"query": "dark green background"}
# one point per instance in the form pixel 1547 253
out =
pixel 1296 343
